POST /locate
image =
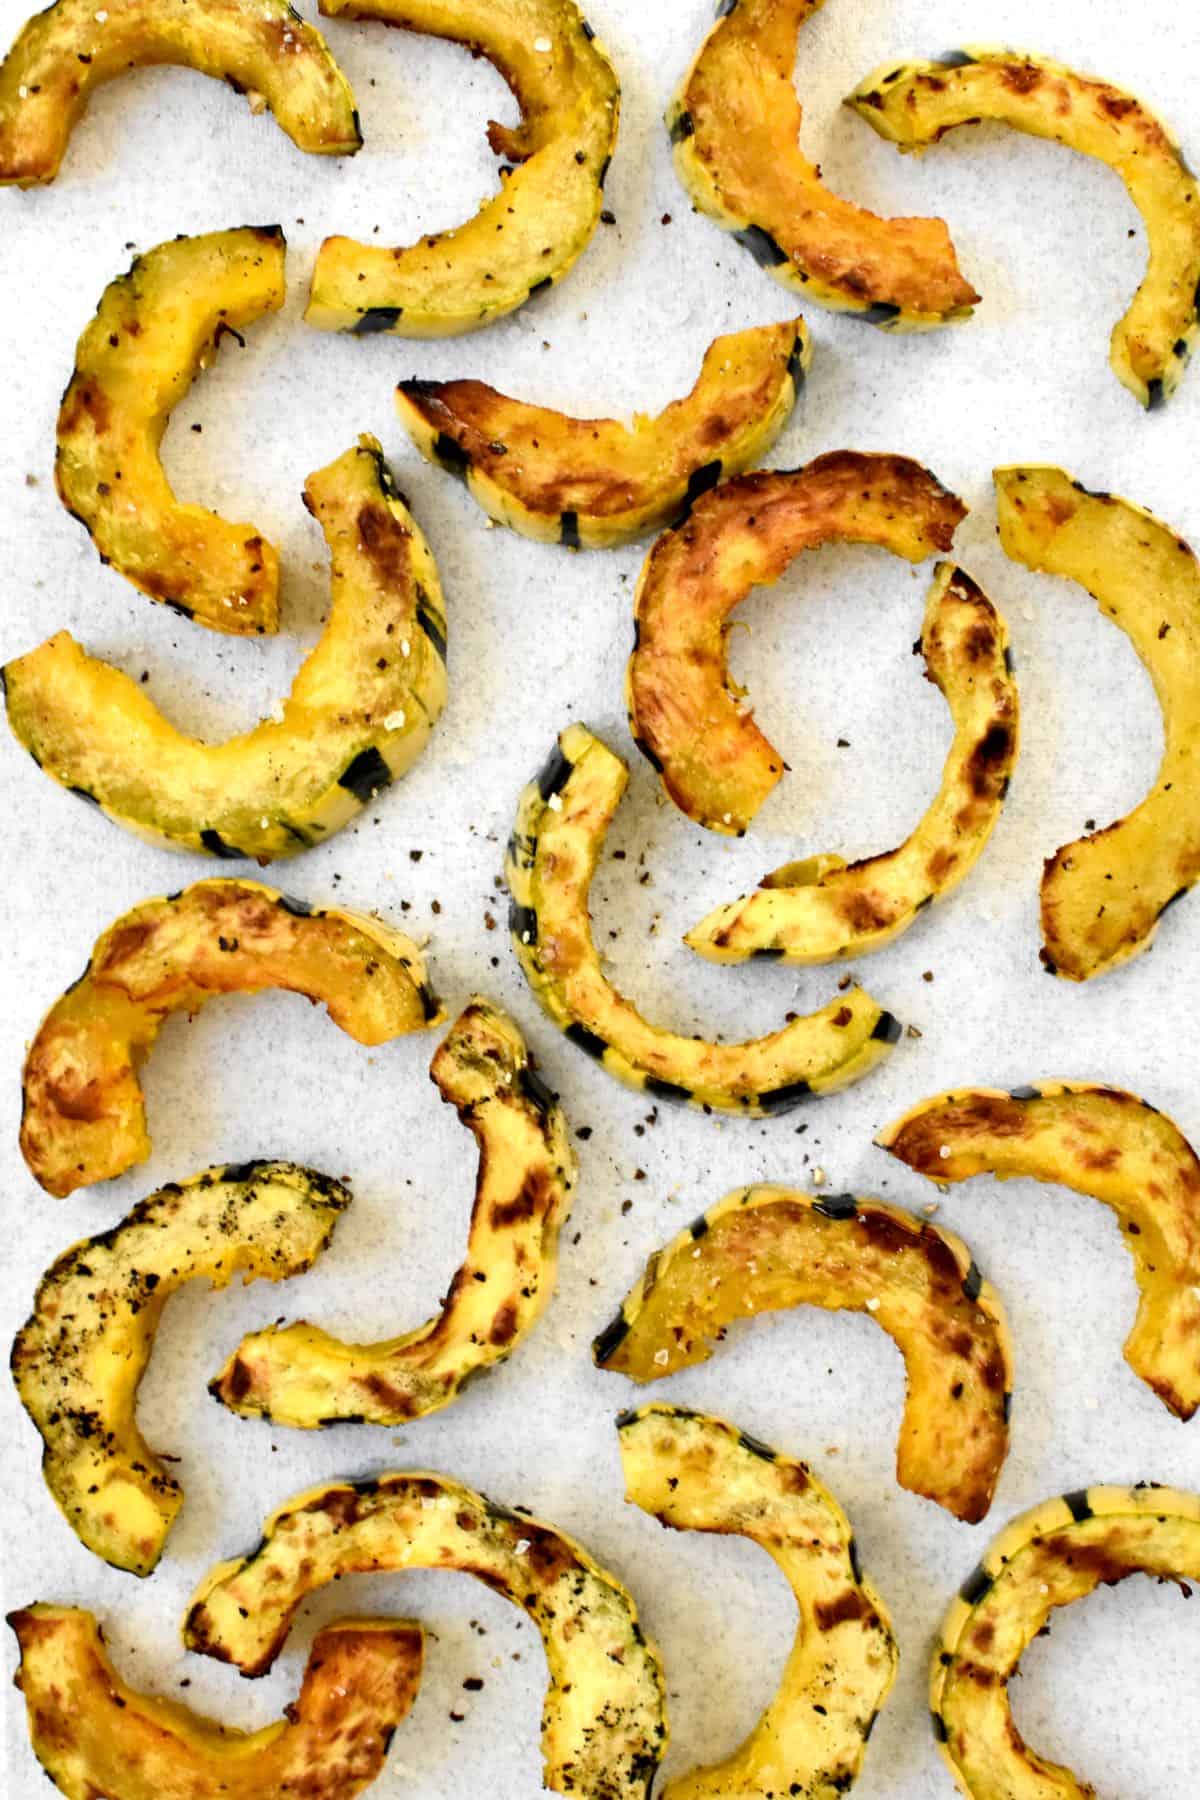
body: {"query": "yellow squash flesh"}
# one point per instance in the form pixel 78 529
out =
pixel 766 1248
pixel 95 1735
pixel 696 1473
pixel 531 233
pixel 300 1375
pixel 1103 896
pixel 562 819
pixel 1055 1554
pixel 154 329
pixel 734 124
pixel 915 104
pixel 267 52
pixel 84 1116
pixel 78 1360
pixel 604 1725
pixel 686 716
pixel 1115 1148
pixel 361 710
pixel 823 908
pixel 594 483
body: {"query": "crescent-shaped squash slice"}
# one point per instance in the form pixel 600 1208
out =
pixel 1113 1147
pixel 531 233
pixel 765 1248
pixel 361 710
pixel 84 1115
pixel 915 104
pixel 94 1734
pixel 300 1375
pixel 696 1473
pixel 154 329
pixel 604 1728
pixel 687 717
pixel 80 1356
pixel 734 123
pixel 269 53
pixel 562 819
pixel 1055 1554
pixel 822 908
pixel 1103 895
pixel 593 483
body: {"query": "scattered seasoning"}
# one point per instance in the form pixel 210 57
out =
pixel 608 218
pixel 584 1132
pixel 666 219
pixel 927 975
pixel 914 1033
pixel 843 743
pixel 415 855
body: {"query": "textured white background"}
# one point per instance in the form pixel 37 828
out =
pixel 539 636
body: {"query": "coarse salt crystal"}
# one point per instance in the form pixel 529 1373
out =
pixel 522 1546
pixel 662 1357
pixel 818 1178
pixel 405 647
pixel 101 18
pixel 543 44
pixel 394 720
pixel 555 803
pixel 944 1152
pixel 872 1304
pixel 23 92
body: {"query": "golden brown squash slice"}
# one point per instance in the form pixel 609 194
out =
pixel 764 1248
pixel 1055 1554
pixel 1103 895
pixel 154 329
pixel 604 1726
pixel 269 53
pixel 361 710
pixel 300 1375
pixel 84 1117
pixel 79 1358
pixel 686 717
pixel 734 123
pixel 593 483
pixel 915 104
pixel 94 1734
pixel 562 819
pixel 531 233
pixel 696 1473
pixel 822 908
pixel 1113 1147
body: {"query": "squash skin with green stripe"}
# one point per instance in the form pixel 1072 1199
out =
pixel 531 233
pixel 594 483
pixel 299 1375
pixel 78 1360
pixel 604 1728
pixel 83 1116
pixel 915 104
pixel 154 329
pixel 94 1734
pixel 1113 1147
pixel 1055 1554
pixel 734 124
pixel 696 1473
pixel 764 1248
pixel 558 837
pixel 822 908
pixel 360 713
pixel 64 53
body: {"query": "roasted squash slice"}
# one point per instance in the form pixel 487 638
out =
pixel 823 907
pixel 64 53
pixel 1103 895
pixel 696 1473
pixel 593 483
pixel 734 123
pixel 531 233
pixel 1059 1552
pixel 79 1358
pixel 300 1375
pixel 361 710
pixel 685 714
pixel 604 1726
pixel 84 1116
pixel 915 104
pixel 94 1734
pixel 764 1248
pixel 154 329
pixel 562 819
pixel 1117 1149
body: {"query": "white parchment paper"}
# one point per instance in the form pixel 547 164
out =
pixel 538 637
